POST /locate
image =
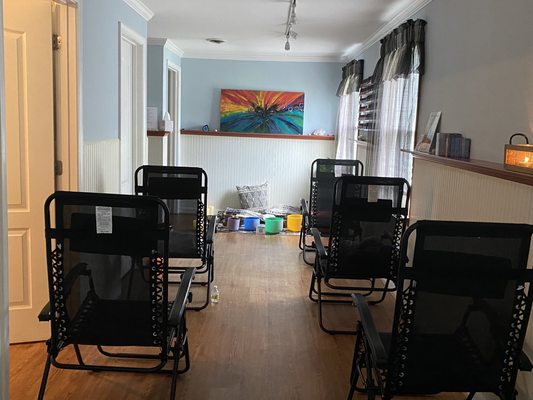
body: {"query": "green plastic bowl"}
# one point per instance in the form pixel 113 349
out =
pixel 273 225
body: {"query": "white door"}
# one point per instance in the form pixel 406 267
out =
pixel 173 101
pixel 30 159
pixel 126 116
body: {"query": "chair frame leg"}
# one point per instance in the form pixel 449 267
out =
pixel 315 288
pixel 46 372
pixel 320 314
pixel 210 269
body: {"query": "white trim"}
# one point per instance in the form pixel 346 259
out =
pixel 139 139
pixel 174 140
pixel 167 43
pixel 265 57
pixel 401 17
pixel 173 47
pixel 79 49
pixel 4 313
pixel 140 8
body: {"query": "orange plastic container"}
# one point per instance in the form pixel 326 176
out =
pixel 294 222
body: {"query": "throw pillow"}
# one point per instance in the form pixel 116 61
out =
pixel 253 197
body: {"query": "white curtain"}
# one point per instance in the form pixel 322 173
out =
pixel 397 78
pixel 347 121
pixel 348 115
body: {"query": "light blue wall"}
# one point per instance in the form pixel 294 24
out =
pixel 158 58
pixel 203 79
pixel 154 80
pixel 100 73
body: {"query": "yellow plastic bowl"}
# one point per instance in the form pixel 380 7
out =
pixel 294 222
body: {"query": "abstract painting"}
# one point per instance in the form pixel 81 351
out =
pixel 261 111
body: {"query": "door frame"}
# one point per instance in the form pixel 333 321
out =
pixel 4 311
pixel 174 142
pixel 66 87
pixel 139 138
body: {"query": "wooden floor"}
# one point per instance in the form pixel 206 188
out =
pixel 262 341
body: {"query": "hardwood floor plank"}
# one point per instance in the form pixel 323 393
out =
pixel 262 341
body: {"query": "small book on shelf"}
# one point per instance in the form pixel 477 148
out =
pixel 452 145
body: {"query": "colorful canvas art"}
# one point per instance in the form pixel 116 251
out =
pixel 261 111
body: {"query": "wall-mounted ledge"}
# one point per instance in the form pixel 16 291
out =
pixel 158 133
pixel 257 135
pixel 479 166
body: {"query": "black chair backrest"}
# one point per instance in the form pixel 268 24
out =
pixel 184 191
pixel 369 215
pixel 324 173
pixel 107 254
pixel 462 307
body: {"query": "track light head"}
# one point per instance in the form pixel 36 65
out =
pixel 291 20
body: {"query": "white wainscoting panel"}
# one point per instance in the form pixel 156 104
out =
pixel 101 166
pixel 446 193
pixel 231 161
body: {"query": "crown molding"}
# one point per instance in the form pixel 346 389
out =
pixel 173 47
pixel 140 8
pixel 398 19
pixel 264 57
pixel 164 42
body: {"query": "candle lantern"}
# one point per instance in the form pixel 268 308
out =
pixel 519 157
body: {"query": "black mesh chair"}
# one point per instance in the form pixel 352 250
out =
pixel 184 191
pixel 317 212
pixel 462 310
pixel 368 218
pixel 98 296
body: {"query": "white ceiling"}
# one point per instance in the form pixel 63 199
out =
pixel 328 30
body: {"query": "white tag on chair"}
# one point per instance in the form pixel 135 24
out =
pixel 373 193
pixel 104 219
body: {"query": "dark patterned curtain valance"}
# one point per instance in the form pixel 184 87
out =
pixel 400 44
pixel 352 75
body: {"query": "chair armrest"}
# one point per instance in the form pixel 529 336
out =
pixel 322 253
pixel 45 315
pixel 178 307
pixel 211 225
pixel 305 214
pixel 74 274
pixel 372 336
pixel 304 207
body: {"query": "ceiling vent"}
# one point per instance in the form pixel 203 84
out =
pixel 215 40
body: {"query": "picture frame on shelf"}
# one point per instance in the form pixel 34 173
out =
pixel 429 141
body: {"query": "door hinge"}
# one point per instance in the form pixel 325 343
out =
pixel 56 42
pixel 58 167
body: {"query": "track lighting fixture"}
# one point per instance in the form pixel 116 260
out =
pixel 291 20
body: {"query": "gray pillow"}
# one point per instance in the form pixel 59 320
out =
pixel 253 197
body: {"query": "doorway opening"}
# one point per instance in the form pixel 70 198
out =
pixel 133 142
pixel 173 108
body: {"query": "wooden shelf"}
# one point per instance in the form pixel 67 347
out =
pixel 158 133
pixel 479 166
pixel 256 135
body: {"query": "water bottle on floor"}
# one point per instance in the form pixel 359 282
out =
pixel 215 294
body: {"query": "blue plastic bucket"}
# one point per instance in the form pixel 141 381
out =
pixel 250 223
